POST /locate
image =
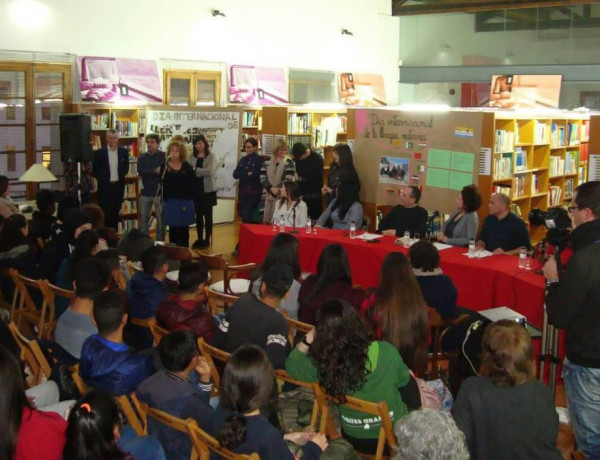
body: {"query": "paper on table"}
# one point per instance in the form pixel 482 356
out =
pixel 441 246
pixel 368 236
pixel 478 254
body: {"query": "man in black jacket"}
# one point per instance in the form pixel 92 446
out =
pixel 573 303
pixel 111 164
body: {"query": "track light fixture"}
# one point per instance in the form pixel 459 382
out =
pixel 346 32
pixel 217 13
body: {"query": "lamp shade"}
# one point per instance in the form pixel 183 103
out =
pixel 38 173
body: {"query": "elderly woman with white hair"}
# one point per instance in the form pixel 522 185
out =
pixel 429 434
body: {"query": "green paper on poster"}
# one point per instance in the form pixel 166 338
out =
pixel 462 161
pixel 438 158
pixel 458 180
pixel 437 178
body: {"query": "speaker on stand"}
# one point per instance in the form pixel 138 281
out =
pixel 75 143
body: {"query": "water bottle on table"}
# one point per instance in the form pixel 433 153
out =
pixel 352 230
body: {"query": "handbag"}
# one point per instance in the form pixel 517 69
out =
pixel 179 213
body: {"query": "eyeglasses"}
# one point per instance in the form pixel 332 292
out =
pixel 572 208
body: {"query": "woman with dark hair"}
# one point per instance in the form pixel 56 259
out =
pixel 344 209
pixel 290 207
pixel 7 205
pixel 505 412
pixel 274 172
pixel 108 236
pixel 341 170
pixel 342 356
pixel 204 164
pixel 332 281
pixel 462 226
pixel 26 432
pixel 398 313
pixel 248 396
pixel 283 250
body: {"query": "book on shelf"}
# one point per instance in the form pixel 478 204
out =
pixel 99 120
pixel 542 134
pixel 129 207
pixel 557 166
pixel 132 172
pixel 502 166
pixel 504 141
pixel 96 141
pixel 585 130
pixel 557 137
pixel 127 224
pixel 520 159
pixel 583 152
pixel 571 162
pixel 518 187
pixel 326 132
pixel 504 189
pixel 582 175
pixel 535 184
pixel 126 128
pixel 554 195
pixel 516 210
pixel 299 123
pixel 569 188
pixel 573 133
pixel 130 190
pixel 250 119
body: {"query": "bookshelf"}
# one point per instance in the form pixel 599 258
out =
pixel 129 122
pixel 251 125
pixel 536 161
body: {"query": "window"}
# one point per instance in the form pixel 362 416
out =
pixel 190 88
pixel 308 86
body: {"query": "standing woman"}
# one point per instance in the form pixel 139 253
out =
pixel 179 181
pixel 248 173
pixel 204 165
pixel 274 172
pixel 462 225
pixel 290 207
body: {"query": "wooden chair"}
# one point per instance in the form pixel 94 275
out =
pixel 5 302
pixel 285 377
pixel 51 292
pixel 202 440
pixel 131 268
pixel 175 252
pixel 228 286
pixel 211 354
pixel 157 331
pixel 386 432
pixel 82 387
pixel 218 301
pixel 43 318
pixel 31 353
pixel 134 413
pixel 439 327
pixel 295 326
pixel 177 424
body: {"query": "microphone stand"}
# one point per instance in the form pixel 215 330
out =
pixel 293 230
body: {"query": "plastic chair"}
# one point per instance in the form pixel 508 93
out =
pixel 202 440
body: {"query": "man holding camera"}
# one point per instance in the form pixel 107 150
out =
pixel 573 303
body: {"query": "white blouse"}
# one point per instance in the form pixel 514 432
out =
pixel 288 214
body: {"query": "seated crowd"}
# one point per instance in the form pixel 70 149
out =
pixel 372 345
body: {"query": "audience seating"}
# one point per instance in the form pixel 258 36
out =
pixel 32 355
pixel 157 331
pixel 439 327
pixel 295 327
pixel 327 426
pixel 230 284
pixel 175 252
pixel 134 413
pixel 202 440
pixel 131 268
pixel 7 304
pixel 50 292
pixel 43 319
pixel 211 353
pixel 218 301
pixel 285 377
pixel 82 387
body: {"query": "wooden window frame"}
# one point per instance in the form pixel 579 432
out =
pixel 193 76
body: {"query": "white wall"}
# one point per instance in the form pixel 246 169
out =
pixel 282 33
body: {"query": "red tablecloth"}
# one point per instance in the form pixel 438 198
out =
pixel 482 283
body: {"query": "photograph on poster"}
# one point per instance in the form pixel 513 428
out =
pixel 393 170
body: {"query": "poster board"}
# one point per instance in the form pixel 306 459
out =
pixel 438 151
pixel 525 91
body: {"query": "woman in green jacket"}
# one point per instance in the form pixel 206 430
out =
pixel 342 356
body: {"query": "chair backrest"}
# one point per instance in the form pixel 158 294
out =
pixel 386 432
pixel 202 440
pixel 31 353
pixel 295 326
pixel 175 252
pixel 177 424
pixel 211 354
pixel 157 331
pixel 135 415
pixel 131 268
pixel 284 376
pixel 218 301
pixel 50 293
pixel 12 274
pixel 44 317
pixel 82 387
pixel 218 262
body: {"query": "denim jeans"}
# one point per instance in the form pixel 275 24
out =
pixel 145 206
pixel 582 387
pixel 140 447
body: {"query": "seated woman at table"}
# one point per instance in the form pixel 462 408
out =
pixel 283 250
pixel 332 281
pixel 506 413
pixel 290 206
pixel 462 226
pixel 344 209
pixel 398 313
pixel 345 359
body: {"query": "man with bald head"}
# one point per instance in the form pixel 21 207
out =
pixel 503 232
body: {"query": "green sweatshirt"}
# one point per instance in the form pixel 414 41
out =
pixel 388 374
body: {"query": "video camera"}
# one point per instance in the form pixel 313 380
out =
pixel 558 223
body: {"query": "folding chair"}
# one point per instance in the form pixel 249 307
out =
pixel 202 441
pixel 43 318
pixel 285 377
pixel 82 387
pixel 180 425
pixel 32 355
pixel 157 331
pixel 211 354
pixel 230 284
pixel 295 326
pixel 439 327
pixel 218 301
pixel 386 432
pixel 129 404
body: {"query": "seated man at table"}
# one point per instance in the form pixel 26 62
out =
pixel 256 321
pixel 503 232
pixel 407 216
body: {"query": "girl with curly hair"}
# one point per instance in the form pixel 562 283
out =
pixel 342 356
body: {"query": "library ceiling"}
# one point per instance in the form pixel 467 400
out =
pixel 413 7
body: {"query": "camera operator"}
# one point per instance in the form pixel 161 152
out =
pixel 573 303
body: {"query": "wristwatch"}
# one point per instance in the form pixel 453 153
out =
pixel 305 342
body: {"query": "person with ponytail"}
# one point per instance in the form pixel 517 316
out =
pixel 248 395
pixel 95 432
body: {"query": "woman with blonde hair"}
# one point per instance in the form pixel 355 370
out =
pixel 505 412
pixel 290 206
pixel 274 172
pixel 179 181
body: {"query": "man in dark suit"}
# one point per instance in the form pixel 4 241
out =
pixel 111 164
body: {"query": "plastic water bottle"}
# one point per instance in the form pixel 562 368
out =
pixel 308 227
pixel 523 258
pixel 352 230
pixel 406 239
pixel 471 248
pixel 281 225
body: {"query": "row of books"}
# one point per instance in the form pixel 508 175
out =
pixel 130 190
pixel 100 121
pixel 126 128
pixel 573 133
pixel 129 207
pixel 554 195
pixel 557 166
pixel 535 184
pixel 541 133
pixel 520 159
pixel 516 210
pixel 571 162
pixel 504 189
pixel 250 119
pixel 519 186
pixel 504 141
pixel 503 166
pixel 299 123
pixel 557 138
pixel 127 224
pixel 299 139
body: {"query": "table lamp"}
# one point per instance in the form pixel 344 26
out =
pixel 38 173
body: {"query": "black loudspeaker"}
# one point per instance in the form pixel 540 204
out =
pixel 75 137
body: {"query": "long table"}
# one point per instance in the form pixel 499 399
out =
pixel 482 283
